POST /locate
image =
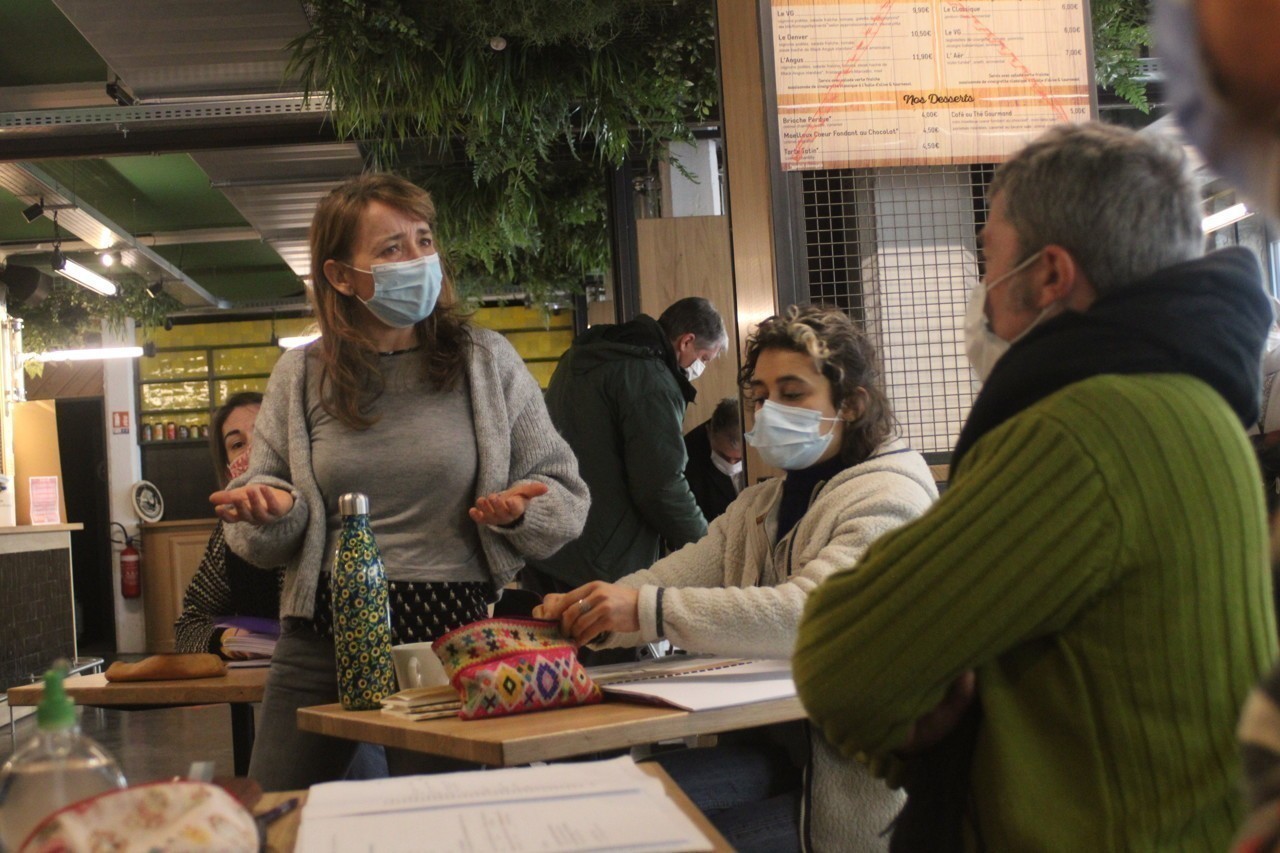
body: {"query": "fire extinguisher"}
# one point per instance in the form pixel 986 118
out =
pixel 130 567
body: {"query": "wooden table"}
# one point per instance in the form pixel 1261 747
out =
pixel 283 834
pixel 542 736
pixel 239 688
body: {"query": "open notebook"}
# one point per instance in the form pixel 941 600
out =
pixel 697 683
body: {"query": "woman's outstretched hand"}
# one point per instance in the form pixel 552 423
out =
pixel 257 504
pixel 591 610
pixel 506 507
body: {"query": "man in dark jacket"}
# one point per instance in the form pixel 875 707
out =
pixel 714 469
pixel 618 397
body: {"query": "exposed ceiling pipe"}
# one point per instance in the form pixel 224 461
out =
pixel 27 181
pixel 165 238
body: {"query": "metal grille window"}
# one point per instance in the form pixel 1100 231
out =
pixel 896 249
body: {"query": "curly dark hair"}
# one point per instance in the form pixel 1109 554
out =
pixel 844 354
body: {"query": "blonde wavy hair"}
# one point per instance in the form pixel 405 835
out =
pixel 844 354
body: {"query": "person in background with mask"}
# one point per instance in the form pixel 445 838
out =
pixel 618 397
pixel 821 414
pixel 714 469
pixel 439 423
pixel 1073 627
pixel 224 584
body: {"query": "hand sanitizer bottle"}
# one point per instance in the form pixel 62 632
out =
pixel 58 767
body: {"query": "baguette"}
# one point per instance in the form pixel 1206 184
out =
pixel 168 668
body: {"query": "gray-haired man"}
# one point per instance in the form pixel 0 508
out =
pixel 1093 587
pixel 618 397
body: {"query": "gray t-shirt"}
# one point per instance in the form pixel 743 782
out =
pixel 417 465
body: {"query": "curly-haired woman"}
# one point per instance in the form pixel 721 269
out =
pixel 821 415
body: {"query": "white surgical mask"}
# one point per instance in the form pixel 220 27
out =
pixel 693 371
pixel 724 466
pixel 983 346
pixel 405 292
pixel 789 437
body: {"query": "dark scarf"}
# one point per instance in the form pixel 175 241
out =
pixel 1206 318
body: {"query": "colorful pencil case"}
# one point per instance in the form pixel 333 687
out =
pixel 512 666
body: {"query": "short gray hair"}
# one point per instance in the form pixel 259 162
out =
pixel 697 315
pixel 1125 205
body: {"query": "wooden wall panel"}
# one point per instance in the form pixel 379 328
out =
pixel 62 380
pixel 689 256
pixel 746 135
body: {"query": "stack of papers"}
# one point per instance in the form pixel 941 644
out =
pixel 561 808
pixel 423 703
pixel 259 641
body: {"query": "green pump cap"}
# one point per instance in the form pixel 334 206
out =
pixel 56 710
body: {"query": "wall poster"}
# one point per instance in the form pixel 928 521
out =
pixel 925 82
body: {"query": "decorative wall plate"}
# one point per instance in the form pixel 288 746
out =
pixel 147 501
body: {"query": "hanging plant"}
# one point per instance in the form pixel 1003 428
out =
pixel 1120 39
pixel 69 314
pixel 521 90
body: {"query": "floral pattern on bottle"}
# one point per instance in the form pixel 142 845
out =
pixel 361 627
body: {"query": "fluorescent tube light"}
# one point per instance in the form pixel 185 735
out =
pixel 87 354
pixel 1223 218
pixel 297 340
pixel 87 278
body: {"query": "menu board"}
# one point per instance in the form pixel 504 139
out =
pixel 920 82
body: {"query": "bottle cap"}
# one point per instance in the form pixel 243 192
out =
pixel 56 710
pixel 353 503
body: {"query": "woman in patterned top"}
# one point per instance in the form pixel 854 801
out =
pixel 226 585
pixel 439 423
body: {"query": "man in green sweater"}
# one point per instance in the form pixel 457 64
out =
pixel 1060 648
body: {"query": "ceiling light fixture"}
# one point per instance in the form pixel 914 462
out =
pixel 35 211
pixel 1227 216
pixel 297 340
pixel 155 288
pixel 85 277
pixel 108 258
pixel 87 354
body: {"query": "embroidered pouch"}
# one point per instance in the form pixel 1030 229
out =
pixel 177 815
pixel 513 665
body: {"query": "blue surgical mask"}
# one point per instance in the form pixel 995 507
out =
pixel 405 292
pixel 789 437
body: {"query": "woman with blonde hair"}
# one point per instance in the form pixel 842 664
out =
pixel 812 378
pixel 437 421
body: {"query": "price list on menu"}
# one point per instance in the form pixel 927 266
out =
pixel 894 82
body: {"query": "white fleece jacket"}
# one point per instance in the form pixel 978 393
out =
pixel 732 593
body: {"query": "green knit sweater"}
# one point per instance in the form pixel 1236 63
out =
pixel 1101 561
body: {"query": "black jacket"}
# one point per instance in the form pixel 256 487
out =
pixel 711 487
pixel 618 397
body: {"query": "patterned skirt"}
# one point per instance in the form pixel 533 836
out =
pixel 420 610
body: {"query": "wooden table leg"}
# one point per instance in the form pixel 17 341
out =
pixel 241 736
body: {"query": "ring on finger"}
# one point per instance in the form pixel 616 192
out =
pixel 583 605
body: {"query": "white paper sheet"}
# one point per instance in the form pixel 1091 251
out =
pixel 603 805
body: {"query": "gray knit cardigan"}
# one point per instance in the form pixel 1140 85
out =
pixel 515 442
